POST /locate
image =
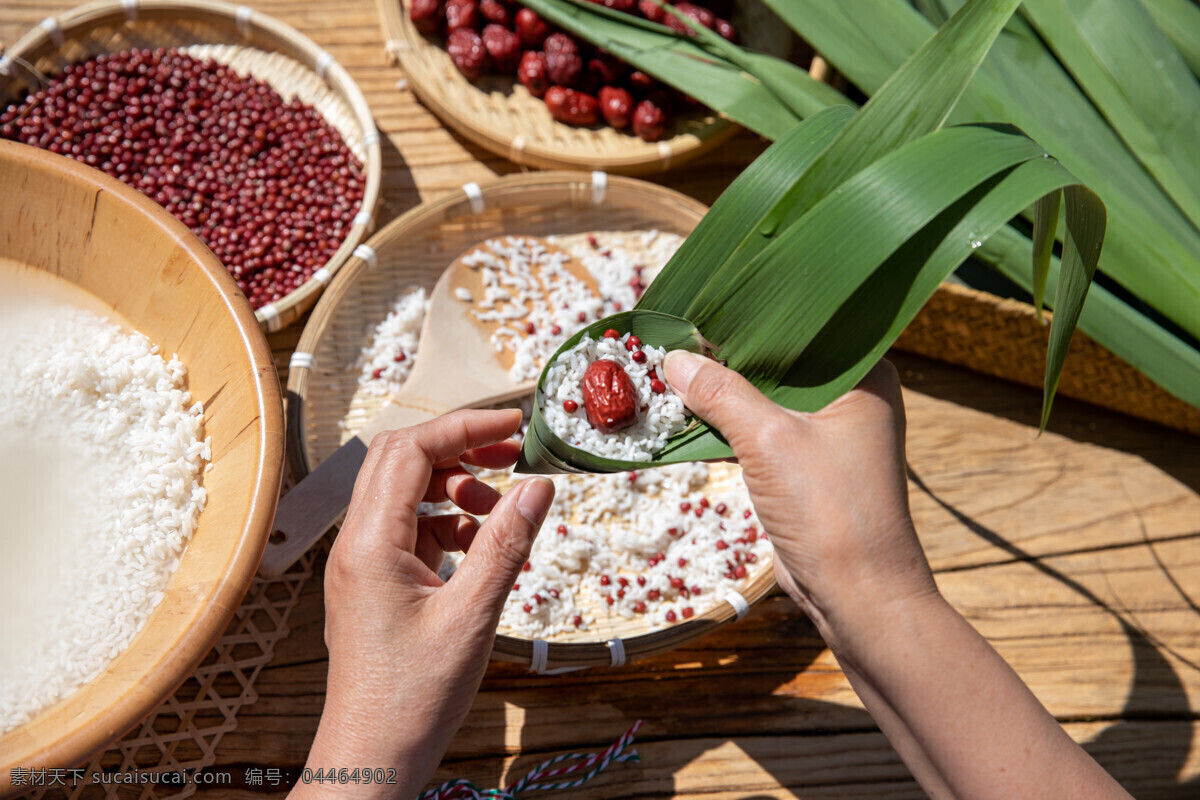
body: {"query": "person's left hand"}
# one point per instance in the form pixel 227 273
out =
pixel 407 652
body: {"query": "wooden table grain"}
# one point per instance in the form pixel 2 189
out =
pixel 1077 554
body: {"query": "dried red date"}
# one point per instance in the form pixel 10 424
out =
pixel 650 117
pixel 616 104
pixel 651 10
pixel 503 47
pixel 496 12
pixel 532 29
pixel 698 15
pixel 640 80
pixel 564 62
pixel 461 14
pixel 467 51
pixel 531 73
pixel 427 15
pixel 605 70
pixel 572 107
pixel 609 398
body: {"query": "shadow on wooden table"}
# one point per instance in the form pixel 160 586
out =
pixel 1156 723
pixel 1072 419
pixel 396 195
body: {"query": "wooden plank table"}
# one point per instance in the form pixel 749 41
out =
pixel 1077 554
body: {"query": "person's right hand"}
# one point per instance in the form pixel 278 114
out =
pixel 829 487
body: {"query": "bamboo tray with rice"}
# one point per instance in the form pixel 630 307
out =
pixel 326 405
pixel 249 42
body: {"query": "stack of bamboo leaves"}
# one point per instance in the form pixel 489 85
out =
pixel 815 259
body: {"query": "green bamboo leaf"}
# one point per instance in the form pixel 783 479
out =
pixel 790 85
pixel 741 207
pixel 928 196
pixel 1180 21
pixel 1137 80
pixel 1045 226
pixel 1140 341
pixel 826 253
pixel 870 321
pixel 676 60
pixel 849 332
pixel 881 308
pixel 933 11
pixel 1151 249
pixel 1022 83
pixel 1081 253
pixel 866 47
pixel 915 100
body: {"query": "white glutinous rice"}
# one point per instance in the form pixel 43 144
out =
pixel 533 296
pixel 101 454
pixel 386 360
pixel 658 545
pixel 660 414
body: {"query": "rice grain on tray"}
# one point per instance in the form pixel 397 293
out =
pixel 659 545
pixel 101 453
pixel 387 359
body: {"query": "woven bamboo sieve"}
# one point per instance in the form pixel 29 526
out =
pixel 249 42
pixel 499 114
pixel 1004 338
pixel 324 407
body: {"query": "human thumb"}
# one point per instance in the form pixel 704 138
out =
pixel 718 395
pixel 501 546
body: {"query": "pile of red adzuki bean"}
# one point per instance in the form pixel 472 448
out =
pixel 269 186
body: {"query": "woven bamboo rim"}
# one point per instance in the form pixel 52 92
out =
pixel 248 41
pixel 412 251
pixel 499 114
pixel 1004 338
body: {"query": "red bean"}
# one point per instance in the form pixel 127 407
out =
pixel 268 185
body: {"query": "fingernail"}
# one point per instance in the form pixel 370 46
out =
pixel 535 499
pixel 680 367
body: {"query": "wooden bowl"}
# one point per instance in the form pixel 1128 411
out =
pixel 78 223
pixel 499 114
pixel 249 42
pixel 325 406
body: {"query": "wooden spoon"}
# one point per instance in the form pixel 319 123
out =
pixel 456 367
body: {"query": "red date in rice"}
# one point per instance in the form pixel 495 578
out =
pixel 609 398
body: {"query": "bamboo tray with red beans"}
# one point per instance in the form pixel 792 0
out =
pixel 246 131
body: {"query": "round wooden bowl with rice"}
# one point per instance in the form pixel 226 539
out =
pixel 73 222
pixel 362 338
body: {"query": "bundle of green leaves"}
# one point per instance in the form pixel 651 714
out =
pixel 815 259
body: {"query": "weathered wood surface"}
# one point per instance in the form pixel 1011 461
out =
pixel 1077 554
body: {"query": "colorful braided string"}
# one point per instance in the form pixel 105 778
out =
pixel 543 778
